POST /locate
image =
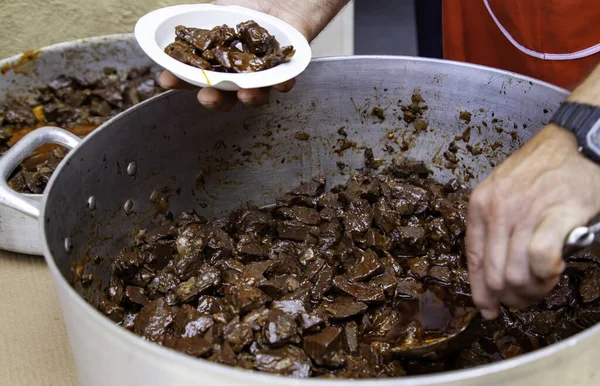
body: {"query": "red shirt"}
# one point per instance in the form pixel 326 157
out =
pixel 557 41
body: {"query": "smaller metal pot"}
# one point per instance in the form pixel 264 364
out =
pixel 24 72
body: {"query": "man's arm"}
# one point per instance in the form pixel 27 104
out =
pixel 309 17
pixel 589 91
pixel 520 216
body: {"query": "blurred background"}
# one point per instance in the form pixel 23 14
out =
pixel 365 27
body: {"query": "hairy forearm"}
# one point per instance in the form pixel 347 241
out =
pixel 589 90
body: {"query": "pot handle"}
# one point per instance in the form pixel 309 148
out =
pixel 17 153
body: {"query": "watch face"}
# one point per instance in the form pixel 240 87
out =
pixel 593 139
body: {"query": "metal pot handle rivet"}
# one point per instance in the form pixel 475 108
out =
pixel 68 244
pixel 128 207
pixel 131 169
pixel 17 153
pixel 91 203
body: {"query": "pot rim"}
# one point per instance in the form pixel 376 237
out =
pixel 146 348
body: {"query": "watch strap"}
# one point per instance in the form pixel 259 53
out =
pixel 578 118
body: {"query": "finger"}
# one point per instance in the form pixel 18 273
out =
pixel 217 100
pixel 545 250
pixel 171 82
pixel 517 272
pixel 285 86
pixel 533 292
pixel 522 287
pixel 496 245
pixel 254 97
pixel 483 298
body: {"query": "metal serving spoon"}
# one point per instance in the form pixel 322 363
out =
pixel 579 238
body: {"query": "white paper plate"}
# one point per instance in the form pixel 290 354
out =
pixel 156 30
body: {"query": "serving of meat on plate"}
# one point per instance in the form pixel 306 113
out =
pixel 248 48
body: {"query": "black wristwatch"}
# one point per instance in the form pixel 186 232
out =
pixel 583 121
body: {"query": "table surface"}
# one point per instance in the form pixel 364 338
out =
pixel 35 350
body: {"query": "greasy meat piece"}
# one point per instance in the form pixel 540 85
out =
pixel 238 335
pixel 288 360
pixel 329 200
pixel 19 115
pixel 196 347
pixel 301 214
pixel 136 295
pixel 191 239
pixel 408 288
pixel 402 168
pixel 562 295
pixel 359 291
pixel 162 283
pixel 225 355
pixel 189 322
pixel 245 298
pixel 342 308
pixel 280 328
pixel 253 273
pixel 128 261
pixel 367 266
pixel 589 289
pixel 411 237
pixel 322 282
pixel 256 318
pixel 250 246
pixel 589 317
pixel 291 307
pixel 330 234
pixel 310 322
pixel 154 319
pixel 184 53
pixel 294 230
pixel 544 322
pixel 256 39
pixel 194 286
pixel 387 282
pixel 112 310
pixel 384 321
pixel 236 61
pixel 406 198
pixel 312 188
pixel 441 274
pixel 359 217
pixel 203 39
pixel 116 288
pixel 385 216
pixel 321 345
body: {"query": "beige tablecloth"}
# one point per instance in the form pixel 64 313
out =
pixel 33 341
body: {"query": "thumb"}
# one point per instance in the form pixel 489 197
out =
pixel 546 247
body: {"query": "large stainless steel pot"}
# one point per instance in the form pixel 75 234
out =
pixel 254 155
pixel 21 73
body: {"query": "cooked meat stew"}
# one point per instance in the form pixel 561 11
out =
pixel 328 283
pixel 77 103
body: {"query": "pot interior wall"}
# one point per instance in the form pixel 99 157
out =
pixel 213 162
